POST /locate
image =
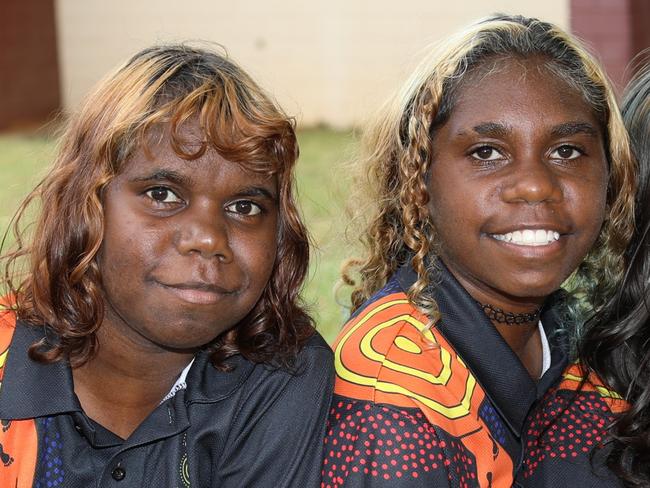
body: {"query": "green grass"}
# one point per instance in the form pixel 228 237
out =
pixel 22 161
pixel 322 189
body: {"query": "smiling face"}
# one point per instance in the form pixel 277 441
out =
pixel 517 184
pixel 188 247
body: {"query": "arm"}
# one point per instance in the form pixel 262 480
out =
pixel 277 436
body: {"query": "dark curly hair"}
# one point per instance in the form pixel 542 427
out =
pixel 162 86
pixel 616 341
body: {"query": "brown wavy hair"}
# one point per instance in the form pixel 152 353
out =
pixel 159 87
pixel 397 152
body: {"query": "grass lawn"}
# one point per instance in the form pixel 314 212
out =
pixel 322 190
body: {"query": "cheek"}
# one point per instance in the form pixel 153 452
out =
pixel 590 203
pixel 456 208
pixel 257 255
pixel 128 252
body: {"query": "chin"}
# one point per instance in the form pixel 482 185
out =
pixel 189 344
pixel 524 291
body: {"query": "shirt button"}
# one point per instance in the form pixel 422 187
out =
pixel 118 473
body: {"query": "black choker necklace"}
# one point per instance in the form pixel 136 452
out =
pixel 502 317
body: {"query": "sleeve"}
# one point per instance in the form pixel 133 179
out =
pixel 378 446
pixel 276 439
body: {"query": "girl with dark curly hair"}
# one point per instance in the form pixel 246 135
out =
pixel 615 344
pixel 499 172
pixel 154 331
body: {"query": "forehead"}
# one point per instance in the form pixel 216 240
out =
pixel 189 150
pixel 514 88
pixel 159 160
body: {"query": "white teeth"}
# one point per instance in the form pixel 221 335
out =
pixel 529 237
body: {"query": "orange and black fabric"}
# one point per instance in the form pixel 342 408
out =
pixel 18 440
pixel 416 407
pixel 566 434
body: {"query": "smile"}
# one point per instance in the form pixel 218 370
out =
pixel 528 237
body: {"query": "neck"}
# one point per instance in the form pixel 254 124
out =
pixel 520 330
pixel 125 381
pixel 499 316
pixel 526 343
pixel 522 335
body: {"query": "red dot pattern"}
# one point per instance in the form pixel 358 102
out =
pixel 567 426
pixel 388 444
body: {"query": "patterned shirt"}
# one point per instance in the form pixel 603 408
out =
pixel 417 407
pixel 566 435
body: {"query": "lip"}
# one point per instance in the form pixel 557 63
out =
pixel 198 293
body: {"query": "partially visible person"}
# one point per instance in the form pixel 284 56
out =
pixel 157 337
pixel 616 344
pixel 500 170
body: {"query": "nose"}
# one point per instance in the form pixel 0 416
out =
pixel 532 182
pixel 203 231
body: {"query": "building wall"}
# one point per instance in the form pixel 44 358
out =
pixel 616 30
pixel 29 75
pixel 326 62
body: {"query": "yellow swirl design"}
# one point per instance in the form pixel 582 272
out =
pixel 369 352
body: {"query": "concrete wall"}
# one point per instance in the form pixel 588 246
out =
pixel 326 62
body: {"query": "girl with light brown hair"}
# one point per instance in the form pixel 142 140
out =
pixel 157 337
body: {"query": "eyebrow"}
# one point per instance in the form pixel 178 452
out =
pixel 181 179
pixel 257 191
pixel 164 175
pixel 573 128
pixel 492 129
pixel 495 129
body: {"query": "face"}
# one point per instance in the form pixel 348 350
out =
pixel 517 185
pixel 188 247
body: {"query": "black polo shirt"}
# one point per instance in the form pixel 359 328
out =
pixel 254 426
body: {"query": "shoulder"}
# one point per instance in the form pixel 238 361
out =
pixel 589 385
pixel 387 353
pixel 581 403
pixel 312 370
pixel 7 317
pixel 315 358
pixel 315 349
pixel 568 432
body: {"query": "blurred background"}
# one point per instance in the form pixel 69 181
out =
pixel 329 64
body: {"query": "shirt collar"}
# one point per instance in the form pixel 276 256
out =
pixel 494 364
pixel 31 389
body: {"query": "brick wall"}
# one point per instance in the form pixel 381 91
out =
pixel 29 74
pixel 616 30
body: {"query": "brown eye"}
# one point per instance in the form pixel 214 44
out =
pixel 566 152
pixel 162 195
pixel 487 153
pixel 244 207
